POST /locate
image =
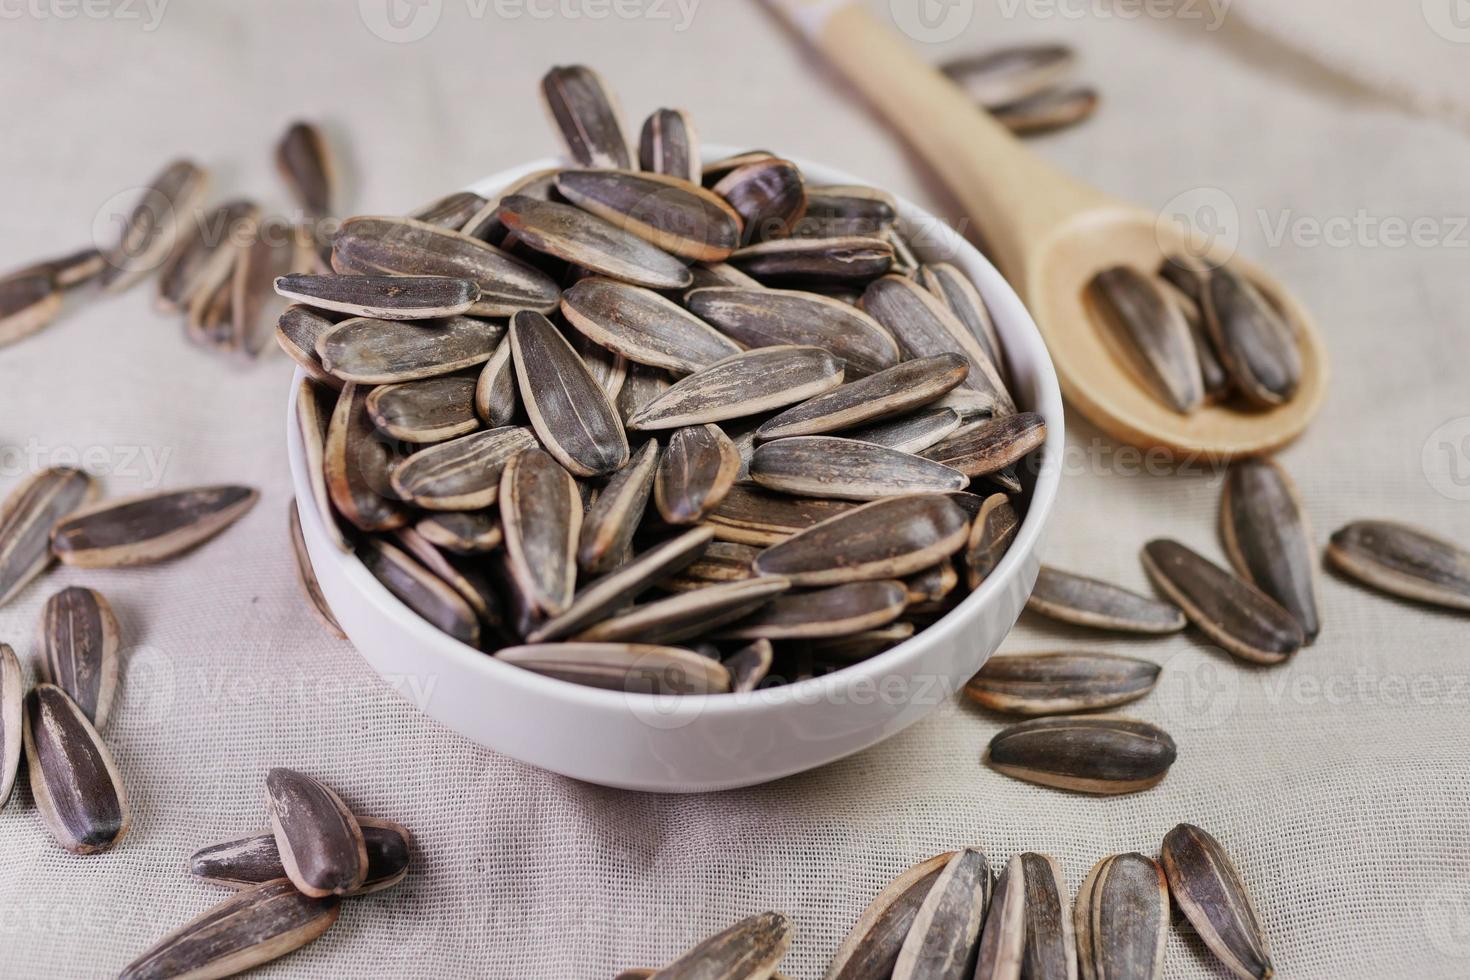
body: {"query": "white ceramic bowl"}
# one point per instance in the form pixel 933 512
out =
pixel 700 743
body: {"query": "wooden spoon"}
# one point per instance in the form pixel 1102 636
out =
pixel 1050 235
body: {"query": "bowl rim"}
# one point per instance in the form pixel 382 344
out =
pixel 1006 308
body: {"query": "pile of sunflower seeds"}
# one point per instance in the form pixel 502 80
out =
pixel 1025 88
pixel 720 384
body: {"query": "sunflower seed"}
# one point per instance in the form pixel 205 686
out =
pixel 1003 940
pixel 860 646
pixel 149 527
pixel 871 949
pixel 1149 335
pixel 751 515
pixel 472 532
pixel 840 610
pixel 320 844
pixel 824 466
pixel 26 519
pixel 356 465
pixel 750 948
pixel 835 211
pixel 205 323
pixel 1061 683
pixel 77 642
pixel 758 317
pixel 252 927
pixel 404 247
pixel 958 294
pixel 991 534
pixel 451 211
pixel 255 860
pixel 712 275
pixel 1051 944
pixel 431 410
pixel 372 351
pixel 382 297
pixel 607 531
pixel 314 410
pixel 1041 113
pixel 749 665
pixel 27 303
pixel 205 253
pixel 884 539
pixel 643 326
pixel 851 259
pixel 569 410
pixel 942 942
pixel 990 445
pixel 686 615
pixel 12 719
pixel 305 162
pixel 1217 382
pixel 462 474
pixel 890 392
pixel 1122 919
pixel 542 516
pixel 496 402
pixel 583 239
pixel 674 215
pixel 1212 896
pixel 65 272
pixel 1268 539
pixel 1084 754
pixel 1011 74
pixel 1403 561
pixel 465 578
pixel 608 369
pixel 297 333
pixel 485 224
pixel 74 780
pixel 722 561
pixel 669 144
pixel 911 433
pixel 1088 602
pixel 423 592
pixel 1236 615
pixel 745 384
pixel 629 667
pixel 695 473
pixel 1255 343
pixel 306 576
pixel 718 170
pixel 932 584
pixel 152 227
pixel 768 194
pixel 251 293
pixel 585 112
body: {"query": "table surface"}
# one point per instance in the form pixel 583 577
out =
pixel 1338 782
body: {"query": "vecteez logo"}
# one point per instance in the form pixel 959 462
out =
pixel 1450 19
pixel 400 21
pixel 1206 218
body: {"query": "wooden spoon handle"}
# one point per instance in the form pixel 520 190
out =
pixel 1015 196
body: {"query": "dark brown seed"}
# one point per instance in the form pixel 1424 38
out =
pixel 586 240
pixel 991 445
pixel 542 516
pixel 306 576
pixel 420 590
pixel 74 780
pixel 1003 940
pixel 452 210
pixel 1403 561
pixel 713 275
pixel 471 532
pixel 585 112
pixel 853 259
pixel 769 195
pixel 1236 615
pixel 717 170
pixel 722 561
pixel 686 615
pixel 1122 919
pixel 607 531
pixel 933 584
pixel 297 332
pixel 751 515
pixel 152 227
pixel 569 410
pixel 430 410
pixel 607 368
pixel 149 527
pixel 66 272
pixel 955 290
pixel 674 215
pixel 357 464
pixel 1061 683
pixel 78 641
pixel 255 926
pixel 1051 943
pixel 382 297
pixel 836 210
pixel 830 467
pixel 695 473
pixel 884 539
pixel 1212 372
pixel 643 326
pixel 372 352
pixel 485 224
pixel 890 392
pixel 1212 896
pixel 496 402
pixel 841 610
pixel 205 254
pixel 314 410
pixel 669 144
pixel 629 667
pixel 1269 540
pixel 320 843
pixel 404 247
pixel 1088 602
pixel 1256 344
pixel 27 303
pixel 758 317
pixel 749 665
pixel 1149 334
pixel 33 508
pixel 750 948
pixel 1010 74
pixel 870 950
pixel 642 386
pixel 942 941
pixel 255 860
pixel 462 474
pixel 1084 754
pixel 465 578
pixel 911 433
pixel 991 534
pixel 251 295
pixel 305 162
pixel 12 719
pixel 1042 113
pixel 745 384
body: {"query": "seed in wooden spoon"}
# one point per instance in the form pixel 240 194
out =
pixel 1061 683
pixel 958 294
pixel 643 326
pixel 542 516
pixel 912 433
pixel 1051 943
pixel 1003 939
pixel 147 528
pixel 450 211
pixel 1085 601
pixel 1217 381
pixel 255 860
pixel 888 393
pixel 1055 109
pixel 569 410
pixel 27 517
pixel 583 239
pixel 585 112
pixel 871 948
pixel 1403 561
pixel 12 719
pixel 1236 615
pixel 750 948
pixel 801 261
pixel 78 642
pixel 628 667
pixel 992 445
pixel 419 589
pixel 1268 538
pixel 758 317
pixel 320 844
pixel 462 474
pixel 430 410
pixel 611 521
pixel 669 144
pixel 694 474
pixel 884 539
pixel 373 351
pixel 1122 919
pixel 769 195
pixel 383 297
pixel 1084 754
pixel 306 576
pixel 1010 74
pixel 153 225
pixel 674 215
pixel 1257 345
pixel 252 927
pixel 1212 896
pixel 826 466
pixel 754 516
pixel 942 941
pixel 686 615
pixel 74 780
pixel 27 303
pixel 991 534
pixel 840 610
pixel 1150 335
pixel 745 384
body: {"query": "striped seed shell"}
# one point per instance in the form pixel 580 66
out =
pixel 932 584
pixel 749 665
pixel 991 534
pixel 306 576
pixel 890 392
pixel 404 247
pixel 255 860
pixel 320 843
pixel 609 369
pixel 1269 540
pixel 542 516
pixel 840 610
pixel 305 162
pixel 912 433
pixel 382 297
pixel 748 950
pixel 419 589
pixel 686 615
pixel 27 303
pixel 466 532
pixel 74 780
pixel 1149 334
pixel 1122 919
pixel 463 473
pixel 27 516
pixel 430 410
pixel 674 215
pixel 1051 942
pixel 297 332
pixel 958 294
pixel 669 144
pixel 1061 683
pixel 755 516
pixel 1084 754
pixel 1217 381
pixel 149 527
pixel 585 240
pixel 251 927
pixel 991 445
pixel 842 469
pixel 1403 561
pixel 758 317
pixel 642 385
pixel 1055 109
pixel 1003 940
pixel 357 466
pixel 643 326
pixel 1257 346
pixel 835 210
pixel 884 539
pixel 713 275
pixel 66 271
pixel 945 934
pixel 852 259
pixel 12 719
pixel 722 561
pixel 585 113
pixel 496 402
pixel 613 519
pixel 742 385
pixel 370 351
pixel 1213 897
pixel 466 578
pixel 152 228
pixel 205 253
pixel 716 170
pixel 768 194
pixel 1085 601
pixel 251 297
pixel 695 473
pixel 1010 74
pixel 451 210
pixel 871 949
pixel 629 667
pixel 78 641
pixel 485 224
pixel 1235 614
pixel 314 411
pixel 569 410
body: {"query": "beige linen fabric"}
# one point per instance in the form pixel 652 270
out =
pixel 1340 783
